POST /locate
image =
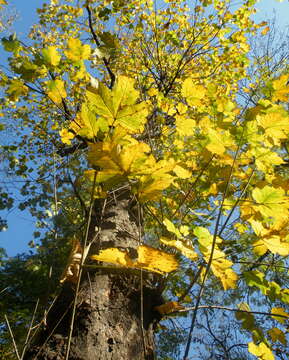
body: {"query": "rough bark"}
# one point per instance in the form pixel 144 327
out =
pixel 108 323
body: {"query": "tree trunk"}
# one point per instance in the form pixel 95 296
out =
pixel 109 322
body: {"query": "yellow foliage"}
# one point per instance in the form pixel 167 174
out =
pixel 185 126
pixel 71 271
pixel 220 266
pixel 183 248
pixel 51 56
pixel 56 90
pixel 76 51
pixel 261 350
pixel 192 92
pixel 279 311
pixel 181 172
pixel 275 124
pixel 281 88
pixel 118 106
pixel 66 136
pixel 149 259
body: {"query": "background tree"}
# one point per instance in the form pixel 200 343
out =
pixel 165 186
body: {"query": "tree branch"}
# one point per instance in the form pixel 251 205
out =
pixel 97 42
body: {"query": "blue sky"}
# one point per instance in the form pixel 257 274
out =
pixel 21 226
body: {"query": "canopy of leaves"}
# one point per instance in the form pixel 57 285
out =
pixel 164 117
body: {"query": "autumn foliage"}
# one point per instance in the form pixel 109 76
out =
pixel 147 95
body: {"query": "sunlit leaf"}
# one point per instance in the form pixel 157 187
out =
pixel 51 55
pixel 71 272
pixel 56 90
pixel 261 350
pixel 156 260
pixel 171 227
pixel 184 249
pixel 269 200
pixel 149 259
pixel 279 311
pixel 77 51
pixel 66 136
pixel 181 172
pixel 281 88
pixel 192 92
pixel 118 106
pixel 185 126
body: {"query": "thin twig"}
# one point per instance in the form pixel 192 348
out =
pixel 236 203
pixel 219 307
pixel 192 186
pixel 29 330
pixel 12 337
pixel 194 279
pixel 52 331
pixel 3 290
pixel 262 264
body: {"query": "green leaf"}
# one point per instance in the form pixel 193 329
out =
pixel 11 44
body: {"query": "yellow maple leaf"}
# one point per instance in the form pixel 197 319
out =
pixel 156 260
pixel 279 311
pixel 275 124
pixel 186 250
pixel 118 106
pixel 87 124
pixel 218 141
pixel 220 266
pixel 66 136
pixel 56 90
pixel 114 256
pixel 265 158
pixel 51 55
pixel 149 259
pixel 276 246
pixel 259 247
pixel 281 89
pixel 185 126
pixel 261 350
pixel 269 200
pixel 181 172
pixel 171 228
pixel 77 51
pixel 125 157
pixel 225 105
pixel 192 92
